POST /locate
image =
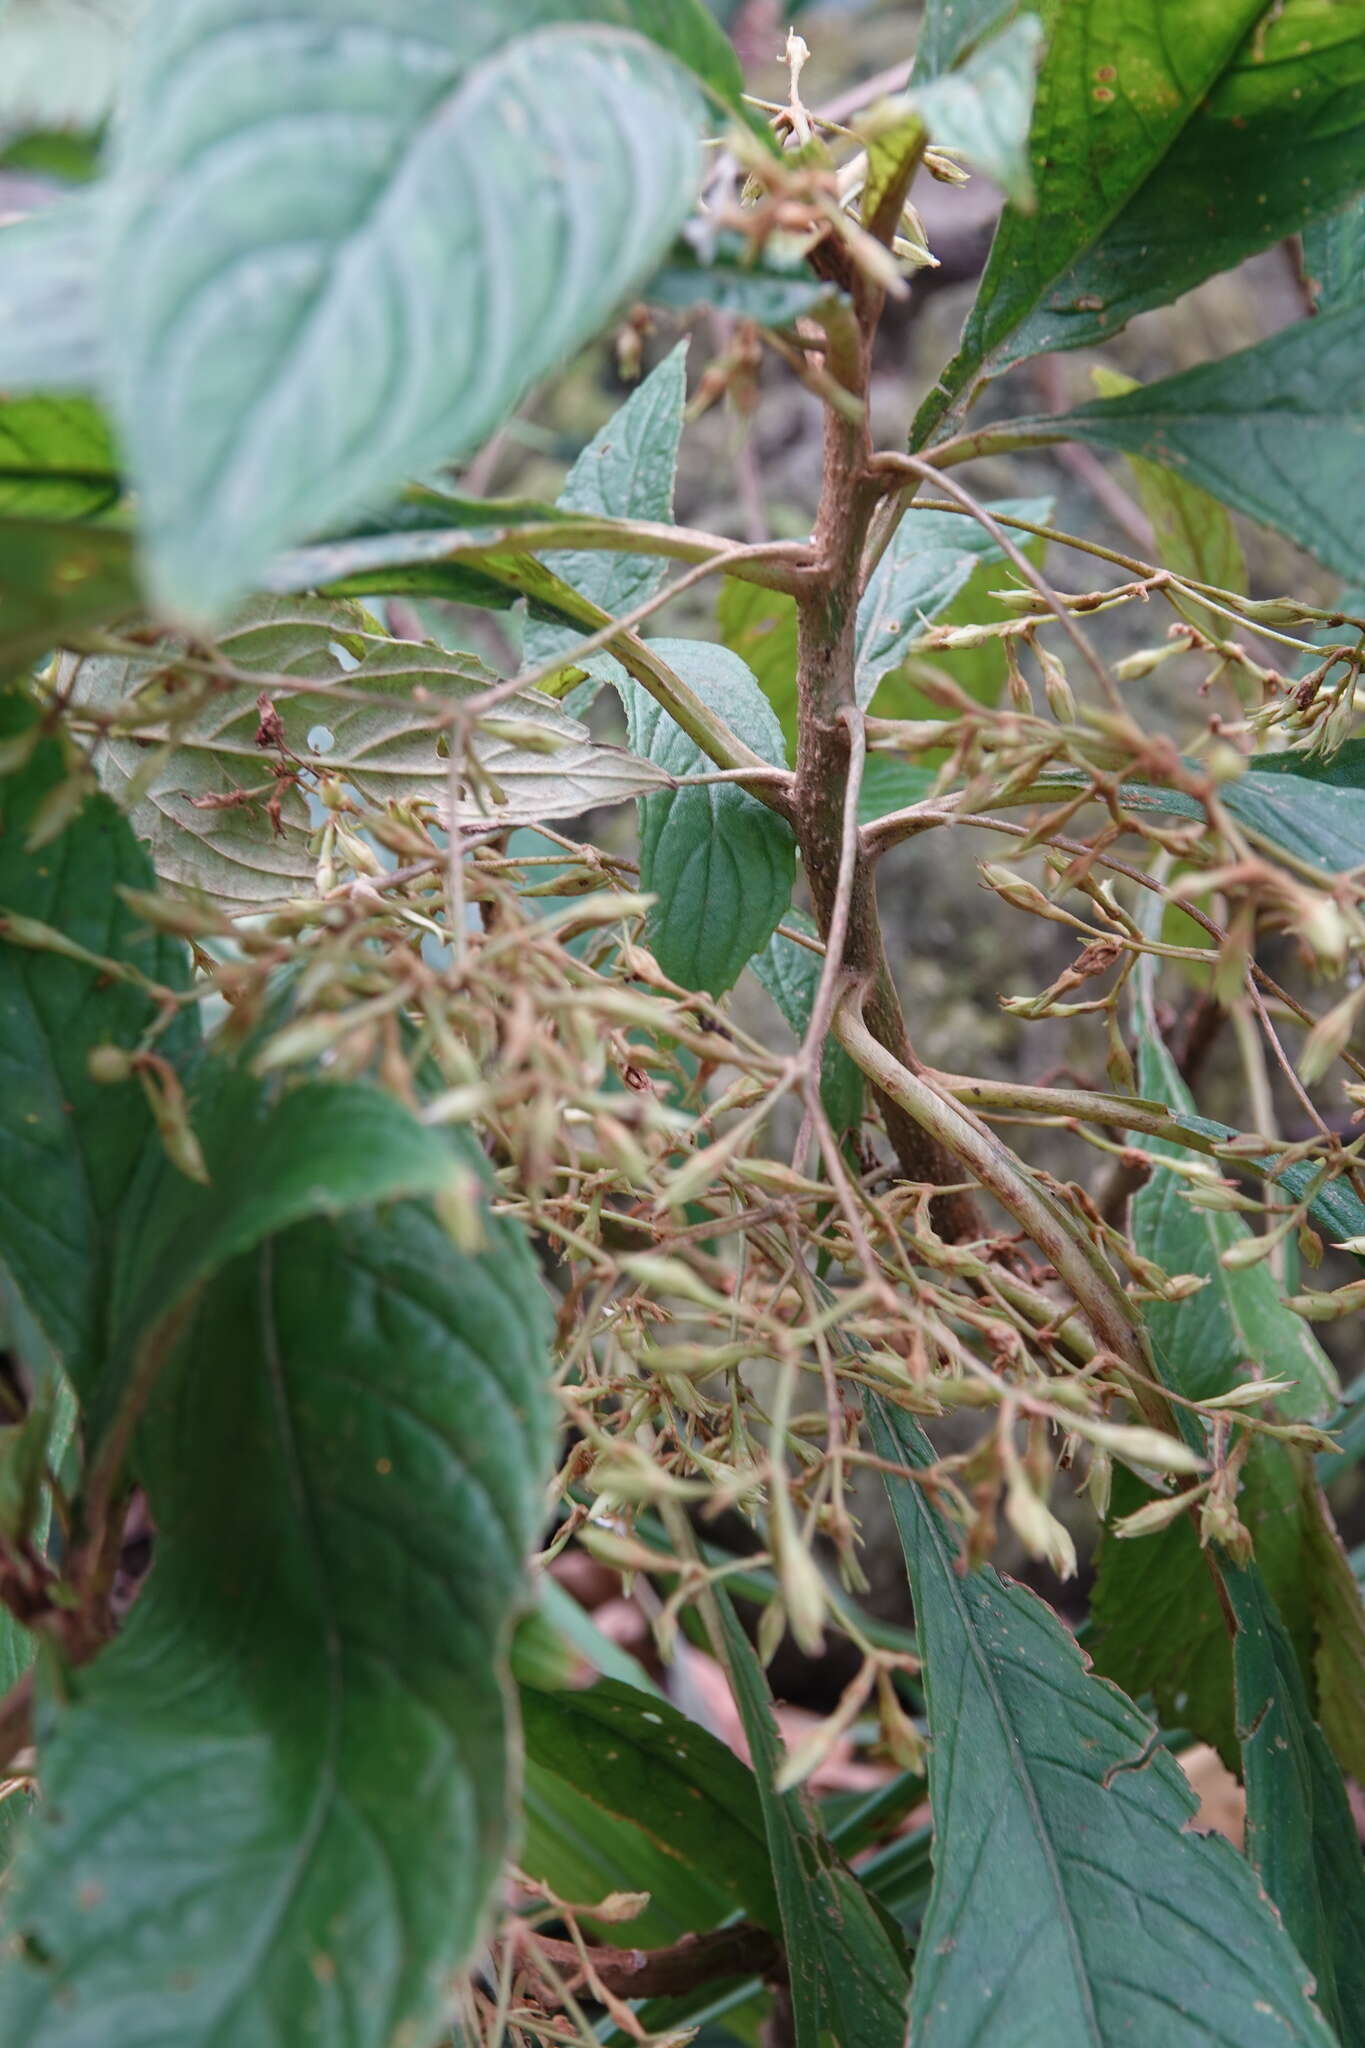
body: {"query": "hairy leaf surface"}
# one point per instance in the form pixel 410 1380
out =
pixel 49 311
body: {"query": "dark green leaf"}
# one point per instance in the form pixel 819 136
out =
pixel 273 1159
pixel 1070 1904
pixel 298 325
pixel 1194 534
pixel 56 459
pixel 625 472
pixel 1169 141
pixel 728 277
pixel 69 1146
pixel 720 862
pixel 1301 1836
pixel 277 1805
pixel 56 580
pixel 1159 1630
pixel 1274 431
pixel 845 1973
pixel 640 1760
pixel 983 108
pixel 791 975
pixel 932 557
pixel 1334 256
pixel 49 309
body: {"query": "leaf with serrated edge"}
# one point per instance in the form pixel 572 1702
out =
pixel 1194 534
pixel 60 62
pixel 387 748
pixel 1275 431
pixel 277 1805
pixel 69 1147
pixel 844 1972
pixel 1071 1905
pixel 311 322
pixel 720 863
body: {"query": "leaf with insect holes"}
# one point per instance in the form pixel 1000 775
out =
pixel 205 807
pixel 298 318
pixel 719 862
pixel 1072 1903
pixel 277 1805
pixel 1170 140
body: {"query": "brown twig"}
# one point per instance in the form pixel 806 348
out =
pixel 739 1951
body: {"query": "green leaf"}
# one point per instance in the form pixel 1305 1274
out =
pixel 1070 1902
pixel 272 1159
pixel 932 557
pixel 625 472
pixel 56 459
pixel 1273 431
pixel 69 1146
pixel 891 785
pixel 1194 534
pixel 1334 256
pixel 638 1759
pixel 723 272
pixel 277 1805
pixel 60 62
pixel 1301 1836
pixel 845 1974
pixel 1159 1630
pixel 387 747
pixel 57 580
pixel 720 863
pixel 983 108
pixel 299 323
pixel 1169 141
pixel 760 627
pixel 49 311
pixel 948 28
pixel 791 975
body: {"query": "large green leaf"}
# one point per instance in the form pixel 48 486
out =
pixel 1193 533
pixel 791 974
pixel 386 745
pixel 56 459
pixel 1301 1836
pixel 1274 431
pixel 277 1805
pixel 1334 256
pixel 1070 1903
pixel 300 315
pixel 931 559
pixel 720 863
pixel 625 472
pixel 638 1759
pixel 68 1146
pixel 1169 142
pixel 845 1974
pixel 948 28
pixel 49 316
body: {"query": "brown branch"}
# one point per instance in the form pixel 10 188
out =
pixel 740 1951
pixel 16 1720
